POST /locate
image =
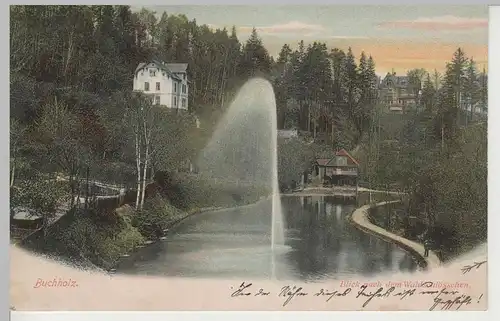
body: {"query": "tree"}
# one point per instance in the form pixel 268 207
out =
pixel 429 94
pixel 416 79
pixel 60 133
pixel 177 141
pixel 316 74
pixel 484 90
pixel 255 58
pixel 17 135
pixel 436 79
pixel 144 119
pixel 457 79
pixel 294 157
pixel 471 88
pixel 452 95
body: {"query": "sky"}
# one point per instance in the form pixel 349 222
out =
pixel 398 37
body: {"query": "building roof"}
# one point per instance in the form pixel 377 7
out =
pixel 177 67
pixel 395 81
pixel 170 69
pixel 331 161
pixel 343 152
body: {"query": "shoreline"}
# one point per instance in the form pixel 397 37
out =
pixel 171 225
pixel 360 219
pixel 114 266
pixel 341 192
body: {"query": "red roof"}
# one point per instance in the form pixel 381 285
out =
pixel 342 152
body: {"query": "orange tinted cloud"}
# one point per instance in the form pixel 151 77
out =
pixel 438 23
pixel 405 55
pixel 400 55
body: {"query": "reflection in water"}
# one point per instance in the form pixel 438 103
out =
pixel 320 244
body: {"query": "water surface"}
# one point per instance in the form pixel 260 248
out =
pixel 320 243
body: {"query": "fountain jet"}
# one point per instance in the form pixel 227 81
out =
pixel 243 149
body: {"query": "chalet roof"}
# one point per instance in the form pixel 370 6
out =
pixel 177 67
pixel 164 67
pixel 331 161
pixel 343 152
pixel 396 81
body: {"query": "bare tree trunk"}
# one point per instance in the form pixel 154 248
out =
pixel 44 225
pixel 87 189
pixel 309 119
pixel 72 185
pixel 442 137
pixel 138 163
pixel 332 136
pixel 315 124
pixel 152 172
pixel 13 172
pixel 145 170
pixel 68 56
pixel 471 111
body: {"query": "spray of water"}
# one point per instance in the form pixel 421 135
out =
pixel 243 149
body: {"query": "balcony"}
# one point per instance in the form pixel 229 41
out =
pixel 342 172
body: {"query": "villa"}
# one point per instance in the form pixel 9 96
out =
pixel 166 83
pixel 396 93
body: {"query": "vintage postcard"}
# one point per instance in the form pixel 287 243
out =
pixel 248 158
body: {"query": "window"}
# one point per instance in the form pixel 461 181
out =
pixel 152 72
pixel 142 73
pixel 175 101
pixel 157 100
pixel 341 160
pixel 175 87
pixel 184 76
pixel 157 86
pixel 163 74
pixel 146 86
pixel 184 89
pixel 183 102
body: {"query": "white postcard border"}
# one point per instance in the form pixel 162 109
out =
pixel 493 205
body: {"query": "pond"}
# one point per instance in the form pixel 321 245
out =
pixel 320 243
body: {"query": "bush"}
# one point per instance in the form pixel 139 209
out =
pixel 86 238
pixel 189 191
pixel 294 157
pixel 156 216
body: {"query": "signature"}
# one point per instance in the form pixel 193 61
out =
pixel 446 304
pixel 468 268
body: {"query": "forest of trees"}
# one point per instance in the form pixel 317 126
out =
pixel 71 77
pixel 438 154
pixel 326 91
